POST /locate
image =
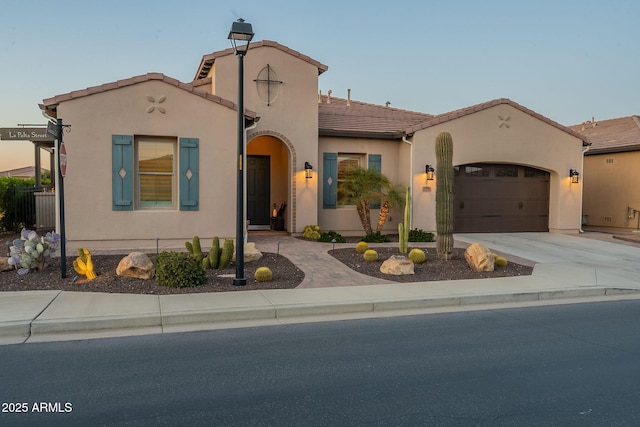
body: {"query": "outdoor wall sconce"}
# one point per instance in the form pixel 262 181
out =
pixel 574 175
pixel 430 172
pixel 307 170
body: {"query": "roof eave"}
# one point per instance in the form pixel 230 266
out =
pixel 361 134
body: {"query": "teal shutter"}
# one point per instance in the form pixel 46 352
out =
pixel 122 172
pixel 189 174
pixel 375 162
pixel 330 180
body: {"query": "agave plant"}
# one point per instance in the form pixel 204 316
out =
pixel 32 252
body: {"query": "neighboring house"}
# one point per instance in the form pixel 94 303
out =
pixel 26 172
pixel 153 158
pixel 611 180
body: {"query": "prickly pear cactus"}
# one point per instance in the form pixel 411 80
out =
pixel 32 252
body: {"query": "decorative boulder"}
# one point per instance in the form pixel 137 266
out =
pixel 250 253
pixel 397 265
pixel 4 264
pixel 137 265
pixel 479 257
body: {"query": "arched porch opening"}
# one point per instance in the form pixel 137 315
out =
pixel 269 184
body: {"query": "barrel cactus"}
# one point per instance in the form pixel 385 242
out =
pixel 370 255
pixel 417 256
pixel 362 247
pixel 444 196
pixel 500 262
pixel 263 274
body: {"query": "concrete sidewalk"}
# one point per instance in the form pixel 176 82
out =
pixel 566 267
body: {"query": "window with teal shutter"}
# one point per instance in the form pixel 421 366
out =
pixel 330 180
pixel 375 162
pixel 122 172
pixel 189 174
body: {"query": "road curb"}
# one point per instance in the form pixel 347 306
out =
pixel 22 330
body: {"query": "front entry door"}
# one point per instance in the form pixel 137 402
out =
pixel 258 197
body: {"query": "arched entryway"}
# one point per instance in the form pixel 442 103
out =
pixel 268 183
pixel 493 198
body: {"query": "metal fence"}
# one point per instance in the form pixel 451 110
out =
pixel 32 208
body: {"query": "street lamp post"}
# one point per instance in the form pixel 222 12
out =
pixel 240 35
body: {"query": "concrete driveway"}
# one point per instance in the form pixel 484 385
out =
pixel 577 259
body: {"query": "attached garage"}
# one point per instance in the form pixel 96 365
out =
pixel 495 198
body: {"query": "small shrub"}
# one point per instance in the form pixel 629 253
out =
pixel 370 255
pixel 362 247
pixel 263 274
pixel 329 236
pixel 178 270
pixel 417 256
pixel 375 237
pixel 419 235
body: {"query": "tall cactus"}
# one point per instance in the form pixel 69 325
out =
pixel 444 196
pixel 403 228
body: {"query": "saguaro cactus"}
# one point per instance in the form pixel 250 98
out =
pixel 444 196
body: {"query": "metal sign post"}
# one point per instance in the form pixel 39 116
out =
pixel 62 170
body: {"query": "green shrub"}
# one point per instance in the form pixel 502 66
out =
pixel 329 236
pixel 178 270
pixel 362 247
pixel 370 255
pixel 417 256
pixel 375 237
pixel 419 235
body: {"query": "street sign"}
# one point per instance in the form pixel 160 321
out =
pixel 63 160
pixel 52 129
pixel 25 134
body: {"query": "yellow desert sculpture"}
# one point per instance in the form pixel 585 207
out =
pixel 83 264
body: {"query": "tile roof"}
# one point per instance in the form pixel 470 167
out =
pixel 359 119
pixel 207 60
pixel 611 136
pixel 442 118
pixel 50 105
pixel 25 172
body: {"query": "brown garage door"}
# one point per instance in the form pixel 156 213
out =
pixel 492 198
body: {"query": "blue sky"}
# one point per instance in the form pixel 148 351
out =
pixel 567 60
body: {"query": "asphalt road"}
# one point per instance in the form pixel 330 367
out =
pixel 553 366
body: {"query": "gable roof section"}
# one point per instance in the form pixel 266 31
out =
pixel 207 60
pixel 347 118
pixel 612 136
pixel 443 118
pixel 50 105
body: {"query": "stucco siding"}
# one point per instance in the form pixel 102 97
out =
pixel 503 134
pixel 610 189
pixel 90 220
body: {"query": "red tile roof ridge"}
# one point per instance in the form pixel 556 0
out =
pixel 207 60
pixel 445 117
pixel 49 105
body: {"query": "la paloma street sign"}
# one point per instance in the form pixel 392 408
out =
pixel 25 134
